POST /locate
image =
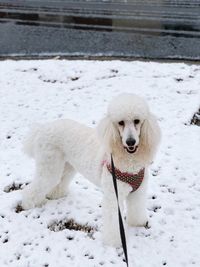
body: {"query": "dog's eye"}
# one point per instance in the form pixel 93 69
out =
pixel 121 123
pixel 136 121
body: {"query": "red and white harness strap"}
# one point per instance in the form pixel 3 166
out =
pixel 134 180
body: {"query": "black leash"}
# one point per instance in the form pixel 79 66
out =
pixel 121 226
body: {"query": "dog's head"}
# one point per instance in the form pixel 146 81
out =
pixel 130 125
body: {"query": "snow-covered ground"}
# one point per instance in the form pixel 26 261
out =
pixel 40 91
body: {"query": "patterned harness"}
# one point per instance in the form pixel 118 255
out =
pixel 134 180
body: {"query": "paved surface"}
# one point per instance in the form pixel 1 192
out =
pixel 149 29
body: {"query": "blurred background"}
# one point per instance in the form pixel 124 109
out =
pixel 151 29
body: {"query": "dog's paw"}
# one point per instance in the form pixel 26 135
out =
pixel 140 220
pixel 28 203
pixel 57 193
pixel 31 200
pixel 111 236
pixel 111 240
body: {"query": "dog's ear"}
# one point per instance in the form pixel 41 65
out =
pixel 150 137
pixel 107 133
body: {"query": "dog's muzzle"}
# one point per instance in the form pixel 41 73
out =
pixel 131 147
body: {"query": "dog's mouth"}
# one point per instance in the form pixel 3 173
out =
pixel 131 149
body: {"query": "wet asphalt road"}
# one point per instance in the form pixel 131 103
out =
pixel 147 29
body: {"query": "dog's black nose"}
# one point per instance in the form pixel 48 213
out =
pixel 130 142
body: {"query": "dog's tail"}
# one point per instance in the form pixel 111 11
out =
pixel 29 143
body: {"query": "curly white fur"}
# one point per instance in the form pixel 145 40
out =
pixel 64 147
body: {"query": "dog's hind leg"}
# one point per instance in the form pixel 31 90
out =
pixel 49 168
pixel 61 189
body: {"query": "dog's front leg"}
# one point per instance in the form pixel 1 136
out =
pixel 136 206
pixel 110 231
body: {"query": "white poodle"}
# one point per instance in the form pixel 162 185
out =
pixel 61 148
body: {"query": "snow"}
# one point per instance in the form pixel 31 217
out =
pixel 39 91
